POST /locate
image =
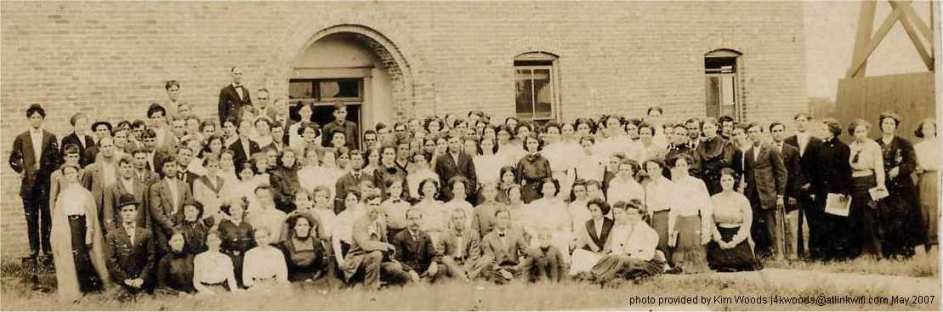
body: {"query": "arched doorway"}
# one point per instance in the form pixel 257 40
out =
pixel 353 65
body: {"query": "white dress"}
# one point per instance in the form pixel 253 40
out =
pixel 624 190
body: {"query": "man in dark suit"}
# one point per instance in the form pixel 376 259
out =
pixel 126 183
pixel 130 254
pixel 34 157
pixel 233 97
pixel 812 193
pixel 794 179
pixel 167 197
pixel 244 147
pixel 350 181
pixel 765 179
pixel 79 136
pixel 341 124
pixel 456 163
pixel 415 250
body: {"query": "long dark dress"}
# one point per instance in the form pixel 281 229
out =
pixel 899 214
pixel 736 259
pixel 306 261
pixel 532 169
pixel 835 231
pixel 175 273
pixel 236 240
pixel 195 235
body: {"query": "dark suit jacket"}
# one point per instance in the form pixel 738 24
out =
pixel 87 152
pixel 349 129
pixel 23 160
pixel 239 158
pixel 416 253
pixel 230 104
pixel 344 184
pixel 446 168
pixel 794 176
pixel 765 175
pixel 110 212
pixel 811 162
pixel 836 170
pixel 126 259
pixel 501 251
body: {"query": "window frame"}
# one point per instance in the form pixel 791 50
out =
pixel 734 72
pixel 532 61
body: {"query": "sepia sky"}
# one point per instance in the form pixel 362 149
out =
pixel 830 28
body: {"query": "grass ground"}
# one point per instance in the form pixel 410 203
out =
pixel 16 292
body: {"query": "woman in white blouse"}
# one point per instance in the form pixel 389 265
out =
pixel 624 187
pixel 550 215
pixel 658 200
pixel 867 164
pixel 731 248
pixel 213 269
pixel 264 267
pixel 207 190
pixel 928 166
pixel 690 220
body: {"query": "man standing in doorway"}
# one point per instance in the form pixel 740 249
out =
pixel 233 97
pixel 341 123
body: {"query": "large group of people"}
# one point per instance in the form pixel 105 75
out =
pixel 263 196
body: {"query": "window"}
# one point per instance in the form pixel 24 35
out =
pixel 722 85
pixel 323 93
pixel 535 86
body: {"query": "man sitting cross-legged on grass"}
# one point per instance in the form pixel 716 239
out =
pixel 370 254
pixel 131 250
pixel 461 253
pixel 415 250
pixel 504 251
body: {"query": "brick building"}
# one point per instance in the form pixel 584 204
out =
pixel 536 59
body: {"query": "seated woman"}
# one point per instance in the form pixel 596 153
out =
pixel 236 234
pixel 212 269
pixel 76 239
pixel 175 269
pixel 729 250
pixel 306 251
pixel 194 227
pixel 630 250
pixel 264 266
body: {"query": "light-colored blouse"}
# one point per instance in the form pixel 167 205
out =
pixel 690 199
pixel 729 207
pixel 928 154
pixel 212 267
pixel 624 190
pixel 264 264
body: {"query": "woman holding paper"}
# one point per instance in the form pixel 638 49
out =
pixel 690 220
pixel 867 164
pixel 928 166
pixel 834 229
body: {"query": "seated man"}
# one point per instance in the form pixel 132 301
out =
pixel 370 254
pixel 547 259
pixel 461 254
pixel 630 251
pixel 131 254
pixel 415 251
pixel 504 251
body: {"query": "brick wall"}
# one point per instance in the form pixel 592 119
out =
pixel 109 59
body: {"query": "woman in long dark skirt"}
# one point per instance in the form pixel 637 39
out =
pixel 730 248
pixel 236 234
pixel 867 166
pixel 836 176
pixel 899 213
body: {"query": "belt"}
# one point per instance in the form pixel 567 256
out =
pixel 862 173
pixel 76 217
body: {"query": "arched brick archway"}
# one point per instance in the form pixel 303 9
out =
pixel 397 65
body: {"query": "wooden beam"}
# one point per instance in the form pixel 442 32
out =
pixel 911 15
pixel 912 33
pixel 863 37
pixel 875 41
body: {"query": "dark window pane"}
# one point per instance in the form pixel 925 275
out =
pixel 339 89
pixel 543 108
pixel 524 92
pixel 713 96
